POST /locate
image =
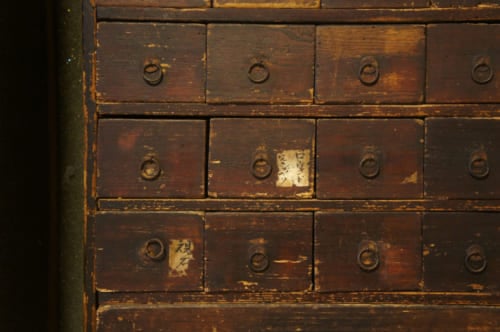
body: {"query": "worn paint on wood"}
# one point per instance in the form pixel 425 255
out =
pixel 374 4
pixel 155 3
pixel 267 3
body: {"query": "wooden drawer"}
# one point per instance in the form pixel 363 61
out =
pixel 374 3
pixel 367 251
pixel 297 317
pixel 463 63
pixel 155 3
pixel 267 3
pixel 150 62
pixel 463 3
pixel 149 252
pixel 462 158
pixel 369 158
pixel 151 158
pixel 258 251
pixel 261 158
pixel 370 64
pixel 462 252
pixel 260 63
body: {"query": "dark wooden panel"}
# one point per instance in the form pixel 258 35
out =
pixel 462 158
pixel 267 3
pixel 463 63
pixel 370 158
pixel 309 318
pixel 374 3
pixel 463 3
pixel 260 63
pixel 125 51
pixel 370 64
pixel 261 158
pixel 151 158
pixel 370 251
pixel 155 3
pixel 149 252
pixel 457 246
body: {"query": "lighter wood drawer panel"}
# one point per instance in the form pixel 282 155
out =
pixel 374 3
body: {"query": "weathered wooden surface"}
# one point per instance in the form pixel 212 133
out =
pixel 452 62
pixel 446 238
pixel 374 4
pixel 451 149
pixel 463 3
pixel 129 256
pixel 260 63
pixel 261 158
pixel 129 152
pixel 250 252
pixel 155 3
pixel 347 147
pixel 342 264
pixel 267 3
pixel 297 318
pixel 392 56
pixel 125 49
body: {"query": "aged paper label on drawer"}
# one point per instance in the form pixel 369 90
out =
pixel 293 168
pixel 179 255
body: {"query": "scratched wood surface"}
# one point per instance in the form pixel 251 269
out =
pixel 155 3
pixel 446 238
pixel 374 4
pixel 451 63
pixel 125 49
pixel 248 252
pixel 267 3
pixel 149 252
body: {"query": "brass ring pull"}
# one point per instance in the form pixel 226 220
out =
pixel 368 255
pixel 154 249
pixel 258 73
pixel 153 73
pixel 259 261
pixel 478 165
pixel 368 70
pixel 482 72
pixel 475 259
pixel 261 168
pixel 369 166
pixel 150 168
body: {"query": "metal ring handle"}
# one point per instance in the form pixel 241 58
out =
pixel 258 73
pixel 475 259
pixel 152 73
pixel 368 70
pixel 261 168
pixel 259 261
pixel 478 165
pixel 482 72
pixel 369 166
pixel 368 255
pixel 154 249
pixel 150 168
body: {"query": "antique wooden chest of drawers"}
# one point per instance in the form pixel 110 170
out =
pixel 303 165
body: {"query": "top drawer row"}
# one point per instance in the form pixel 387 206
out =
pixel 235 63
pixel 292 3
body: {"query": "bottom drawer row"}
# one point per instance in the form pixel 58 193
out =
pixel 324 252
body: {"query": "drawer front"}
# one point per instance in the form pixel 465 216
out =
pixel 260 63
pixel 267 3
pixel 374 3
pixel 261 158
pixel 258 251
pixel 155 3
pixel 367 251
pixel 298 317
pixel 149 252
pixel 150 62
pixel 151 158
pixel 462 252
pixel 463 3
pixel 463 63
pixel 462 158
pixel 370 158
pixel 370 64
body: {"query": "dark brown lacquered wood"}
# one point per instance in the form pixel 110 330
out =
pixel 149 252
pixel 374 4
pixel 267 3
pixel 326 317
pixel 450 262
pixel 462 158
pixel 369 158
pixel 464 3
pixel 370 64
pixel 151 158
pixel 367 251
pixel 174 56
pixel 155 3
pixel 248 252
pixel 465 68
pixel 260 63
pixel 261 158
